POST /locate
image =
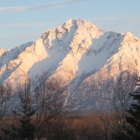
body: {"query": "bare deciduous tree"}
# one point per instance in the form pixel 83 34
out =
pixel 121 99
pixel 39 111
pixel 5 97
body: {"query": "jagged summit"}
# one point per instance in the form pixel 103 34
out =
pixel 79 22
pixel 71 23
pixel 76 52
pixel 72 33
pixel 129 37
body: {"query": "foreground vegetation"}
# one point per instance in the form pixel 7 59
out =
pixel 42 113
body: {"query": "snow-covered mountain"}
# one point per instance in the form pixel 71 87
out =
pixel 78 52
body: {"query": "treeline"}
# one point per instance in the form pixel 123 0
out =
pixel 44 113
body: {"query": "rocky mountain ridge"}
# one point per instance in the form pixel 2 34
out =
pixel 78 52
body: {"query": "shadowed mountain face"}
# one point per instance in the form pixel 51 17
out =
pixel 85 57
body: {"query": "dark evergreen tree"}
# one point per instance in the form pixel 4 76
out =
pixel 130 128
pixel 133 119
pixel 25 111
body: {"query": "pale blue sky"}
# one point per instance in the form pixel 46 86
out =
pixel 24 21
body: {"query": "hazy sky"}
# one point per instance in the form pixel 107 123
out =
pixel 24 21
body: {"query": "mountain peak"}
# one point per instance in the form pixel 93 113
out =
pixel 73 32
pixel 80 22
pixel 129 37
pixel 129 34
